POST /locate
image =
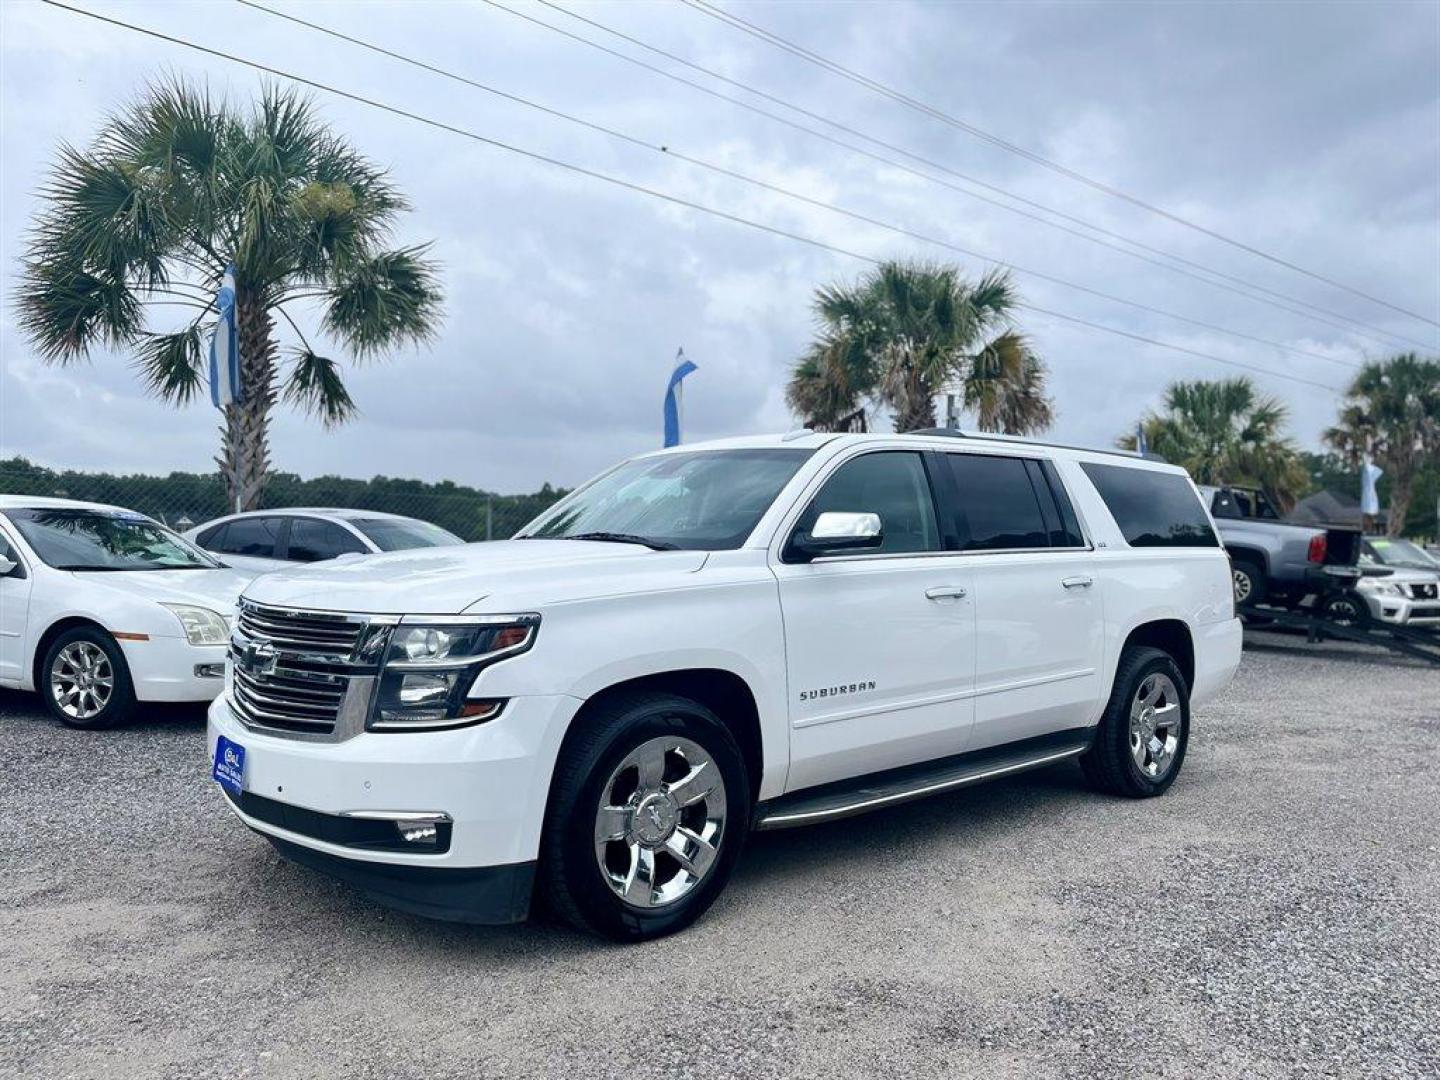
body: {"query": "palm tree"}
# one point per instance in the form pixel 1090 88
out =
pixel 1224 432
pixel 903 334
pixel 1392 414
pixel 181 185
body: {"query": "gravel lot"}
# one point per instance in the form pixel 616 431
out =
pixel 1277 914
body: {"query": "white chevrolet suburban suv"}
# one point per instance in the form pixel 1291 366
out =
pixel 747 634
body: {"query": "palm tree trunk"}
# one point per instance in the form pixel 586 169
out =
pixel 916 412
pixel 245 440
pixel 1402 491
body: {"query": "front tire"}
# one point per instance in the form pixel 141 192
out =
pixel 648 812
pixel 1142 737
pixel 85 681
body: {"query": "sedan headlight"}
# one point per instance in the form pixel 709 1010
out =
pixel 202 626
pixel 430 667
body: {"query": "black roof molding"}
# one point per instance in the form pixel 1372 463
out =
pixel 956 433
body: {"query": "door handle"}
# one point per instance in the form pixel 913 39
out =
pixel 1084 581
pixel 946 592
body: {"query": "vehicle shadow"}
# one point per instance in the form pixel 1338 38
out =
pixel 22 707
pixel 795 861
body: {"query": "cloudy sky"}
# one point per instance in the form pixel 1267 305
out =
pixel 1311 131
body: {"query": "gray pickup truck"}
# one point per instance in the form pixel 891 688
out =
pixel 1283 563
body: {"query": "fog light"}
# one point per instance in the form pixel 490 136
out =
pixel 210 671
pixel 418 831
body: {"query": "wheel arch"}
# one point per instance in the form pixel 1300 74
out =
pixel 1170 636
pixel 1250 554
pixel 54 630
pixel 720 690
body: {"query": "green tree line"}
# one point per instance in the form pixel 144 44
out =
pixel 471 513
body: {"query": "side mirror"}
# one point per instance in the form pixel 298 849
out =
pixel 836 532
pixel 7 566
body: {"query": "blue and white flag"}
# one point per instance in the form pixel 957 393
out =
pixel 675 399
pixel 1142 445
pixel 225 347
pixel 1370 473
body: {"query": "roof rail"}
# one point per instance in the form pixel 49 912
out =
pixel 956 433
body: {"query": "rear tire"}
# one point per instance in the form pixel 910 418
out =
pixel 1248 579
pixel 648 811
pixel 85 681
pixel 1142 737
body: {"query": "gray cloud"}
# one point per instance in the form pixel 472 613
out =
pixel 1311 130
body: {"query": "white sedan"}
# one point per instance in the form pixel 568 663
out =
pixel 102 607
pixel 265 540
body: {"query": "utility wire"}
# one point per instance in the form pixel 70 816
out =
pixel 791 47
pixel 617 181
pixel 1317 312
pixel 668 151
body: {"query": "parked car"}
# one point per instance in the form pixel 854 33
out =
pixel 1401 583
pixel 761 632
pixel 1282 563
pixel 265 540
pixel 101 608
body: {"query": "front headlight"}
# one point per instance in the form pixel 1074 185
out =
pixel 1381 588
pixel 202 626
pixel 430 667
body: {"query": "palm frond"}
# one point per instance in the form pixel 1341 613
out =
pixel 65 310
pixel 171 364
pixel 315 385
pixel 384 300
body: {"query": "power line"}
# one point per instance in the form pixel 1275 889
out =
pixel 668 151
pixel 1316 312
pixel 615 180
pixel 735 21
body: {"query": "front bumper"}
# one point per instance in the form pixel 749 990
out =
pixel 492 780
pixel 1402 610
pixel 163 669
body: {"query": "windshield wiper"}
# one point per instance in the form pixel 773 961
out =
pixel 623 538
pixel 82 568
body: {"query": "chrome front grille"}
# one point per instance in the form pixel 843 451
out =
pixel 302 631
pixel 304 674
pixel 1425 590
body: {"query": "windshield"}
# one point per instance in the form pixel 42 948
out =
pixel 106 540
pixel 1394 552
pixel 708 500
pixel 400 534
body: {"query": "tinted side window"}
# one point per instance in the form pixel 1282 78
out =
pixel 249 536
pixel 1070 534
pixel 9 552
pixel 312 541
pixel 1153 509
pixel 998 507
pixel 891 484
pixel 212 537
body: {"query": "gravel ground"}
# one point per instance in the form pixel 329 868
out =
pixel 1277 914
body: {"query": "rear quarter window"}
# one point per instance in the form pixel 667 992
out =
pixel 1152 508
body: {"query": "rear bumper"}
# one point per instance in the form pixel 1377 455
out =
pixel 488 895
pixel 1217 655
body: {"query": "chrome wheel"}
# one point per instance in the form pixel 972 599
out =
pixel 82 680
pixel 1243 585
pixel 659 821
pixel 1155 726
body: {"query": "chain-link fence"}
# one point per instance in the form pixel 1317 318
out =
pixel 183 500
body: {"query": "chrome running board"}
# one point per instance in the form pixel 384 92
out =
pixel 876 790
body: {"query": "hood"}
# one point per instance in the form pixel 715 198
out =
pixel 447 580
pixel 216 589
